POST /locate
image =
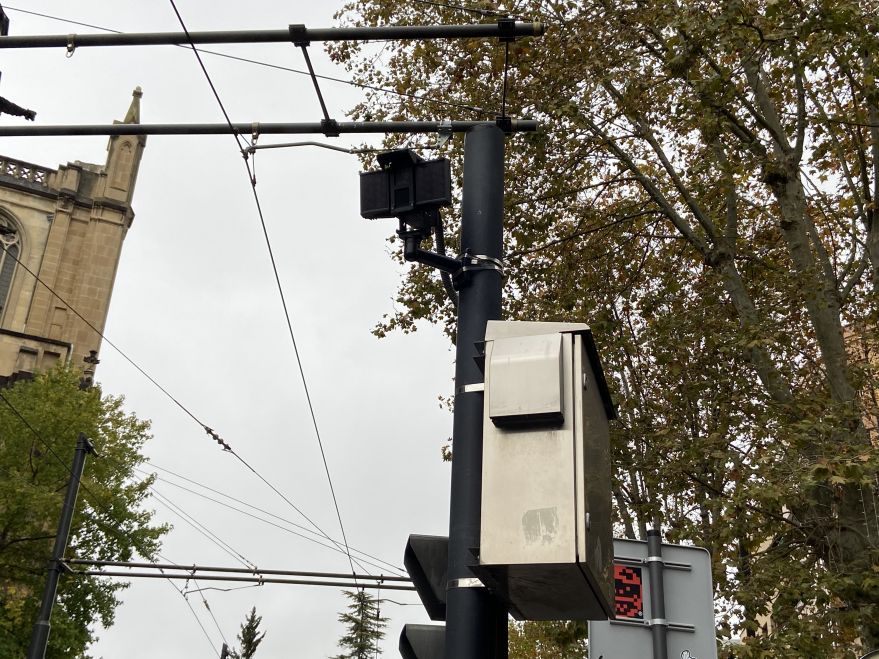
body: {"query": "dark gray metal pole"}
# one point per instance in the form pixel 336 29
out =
pixel 40 636
pixel 475 627
pixel 658 621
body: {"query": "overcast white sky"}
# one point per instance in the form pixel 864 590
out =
pixel 196 306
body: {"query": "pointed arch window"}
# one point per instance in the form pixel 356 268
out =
pixel 10 248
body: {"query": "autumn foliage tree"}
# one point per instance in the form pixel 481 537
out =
pixel 547 640
pixel 703 192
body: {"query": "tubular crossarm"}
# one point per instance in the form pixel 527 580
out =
pixel 343 127
pixel 255 579
pixel 503 29
pixel 193 569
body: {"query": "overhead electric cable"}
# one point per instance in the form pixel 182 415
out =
pixel 97 503
pixel 206 428
pixel 386 565
pixel 335 547
pixel 104 337
pixel 204 601
pixel 506 74
pixel 33 431
pixel 279 286
pixel 246 60
pixel 485 13
pixel 177 509
pixel 202 529
pixel 320 533
pixel 197 619
pixel 82 484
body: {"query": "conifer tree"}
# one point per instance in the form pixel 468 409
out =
pixel 249 637
pixel 364 624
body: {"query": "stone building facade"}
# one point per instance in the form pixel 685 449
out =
pixel 61 235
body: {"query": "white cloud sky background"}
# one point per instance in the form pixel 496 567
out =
pixel 195 304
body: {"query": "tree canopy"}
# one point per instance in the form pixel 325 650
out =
pixel 703 192
pixel 40 421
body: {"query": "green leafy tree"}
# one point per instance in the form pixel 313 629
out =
pixel 703 193
pixel 249 637
pixel 36 451
pixel 364 625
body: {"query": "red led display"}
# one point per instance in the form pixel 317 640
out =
pixel 629 600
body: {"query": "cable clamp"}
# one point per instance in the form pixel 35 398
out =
pixel 505 123
pixel 507 29
pixel 330 127
pixel 254 132
pixel 299 35
pixel 470 262
pixel 71 45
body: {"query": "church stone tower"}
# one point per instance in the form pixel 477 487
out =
pixel 61 234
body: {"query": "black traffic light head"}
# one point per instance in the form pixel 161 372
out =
pixel 423 642
pixel 406 187
pixel 427 560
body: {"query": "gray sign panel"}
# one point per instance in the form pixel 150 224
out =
pixel 689 605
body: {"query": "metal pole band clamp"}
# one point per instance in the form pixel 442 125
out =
pixel 467 582
pixel 470 262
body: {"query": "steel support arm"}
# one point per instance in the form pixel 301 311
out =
pixel 312 128
pixel 501 29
